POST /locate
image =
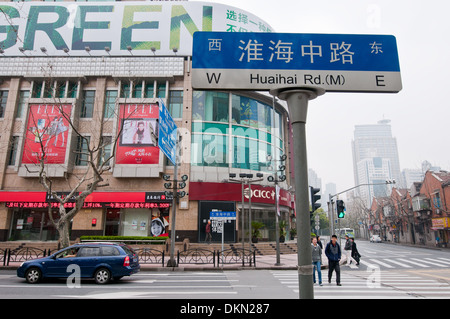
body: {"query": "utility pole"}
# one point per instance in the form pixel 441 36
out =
pixel 297 100
pixel 245 178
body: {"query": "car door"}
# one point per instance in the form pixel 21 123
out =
pixel 57 266
pixel 88 258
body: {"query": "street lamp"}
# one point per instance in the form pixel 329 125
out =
pixel 276 179
pixel 246 178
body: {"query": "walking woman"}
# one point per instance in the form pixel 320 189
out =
pixel 316 260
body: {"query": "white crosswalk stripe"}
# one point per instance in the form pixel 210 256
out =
pixel 400 263
pixel 364 285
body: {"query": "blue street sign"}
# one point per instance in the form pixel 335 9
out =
pixel 222 215
pixel 167 135
pixel 264 61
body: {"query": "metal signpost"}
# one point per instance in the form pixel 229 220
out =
pixel 168 143
pixel 297 68
pixel 223 217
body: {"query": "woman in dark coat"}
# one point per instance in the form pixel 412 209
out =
pixel 355 254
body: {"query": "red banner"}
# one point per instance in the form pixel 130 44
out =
pixel 138 138
pixel 47 133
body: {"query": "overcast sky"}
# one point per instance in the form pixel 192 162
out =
pixel 420 113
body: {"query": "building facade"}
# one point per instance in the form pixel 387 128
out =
pixel 110 65
pixel 418 215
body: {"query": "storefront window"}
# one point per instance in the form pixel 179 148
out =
pixel 30 224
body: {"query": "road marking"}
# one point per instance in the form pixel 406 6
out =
pixel 429 262
pixel 381 263
pixel 414 263
pixel 399 263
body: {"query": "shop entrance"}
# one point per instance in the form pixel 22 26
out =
pixel 33 224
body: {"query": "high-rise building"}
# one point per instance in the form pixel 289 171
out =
pixel 375 157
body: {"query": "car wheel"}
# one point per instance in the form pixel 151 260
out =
pixel 102 276
pixel 33 275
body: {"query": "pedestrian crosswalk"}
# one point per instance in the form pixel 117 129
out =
pixel 371 285
pixel 403 263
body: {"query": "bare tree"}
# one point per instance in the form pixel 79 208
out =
pixel 83 182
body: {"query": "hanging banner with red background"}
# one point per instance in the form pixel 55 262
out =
pixel 137 143
pixel 47 130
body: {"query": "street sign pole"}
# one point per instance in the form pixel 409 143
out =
pixel 172 262
pixel 297 100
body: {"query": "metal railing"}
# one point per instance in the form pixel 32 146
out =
pixel 149 256
pixel 237 256
pixel 23 254
pixel 197 256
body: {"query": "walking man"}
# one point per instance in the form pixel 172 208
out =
pixel 333 253
pixel 316 260
pixel 208 236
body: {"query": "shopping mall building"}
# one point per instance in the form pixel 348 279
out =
pixel 109 65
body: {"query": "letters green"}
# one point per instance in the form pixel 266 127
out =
pixel 10 30
pixel 81 24
pixel 128 25
pixel 49 28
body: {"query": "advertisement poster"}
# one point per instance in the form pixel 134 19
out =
pixel 138 139
pixel 47 132
pixel 160 225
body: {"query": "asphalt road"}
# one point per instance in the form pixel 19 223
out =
pixel 386 271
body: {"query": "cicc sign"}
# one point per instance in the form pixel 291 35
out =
pixel 119 27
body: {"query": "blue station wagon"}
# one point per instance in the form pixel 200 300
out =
pixel 101 261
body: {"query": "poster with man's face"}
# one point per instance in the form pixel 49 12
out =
pixel 138 136
pixel 47 133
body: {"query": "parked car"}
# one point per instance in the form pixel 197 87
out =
pixel 101 261
pixel 375 239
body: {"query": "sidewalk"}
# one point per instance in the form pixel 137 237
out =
pixel 267 262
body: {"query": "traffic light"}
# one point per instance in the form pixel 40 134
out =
pixel 340 208
pixel 314 198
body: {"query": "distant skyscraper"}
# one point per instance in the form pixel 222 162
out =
pixel 375 158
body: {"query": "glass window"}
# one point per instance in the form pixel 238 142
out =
pixel 81 155
pixel 110 103
pixel 245 111
pixel 264 117
pixel 13 150
pixel 48 89
pixel 107 148
pixel 176 104
pixel 137 90
pixel 60 90
pixel 125 89
pixel 37 89
pixel 149 89
pixel 209 150
pixel 3 100
pixel 109 251
pixel 72 90
pixel 87 108
pixel 89 252
pixel 161 93
pixel 23 99
pixel 210 106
